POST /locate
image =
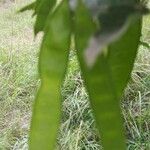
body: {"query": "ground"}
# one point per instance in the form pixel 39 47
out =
pixel 19 83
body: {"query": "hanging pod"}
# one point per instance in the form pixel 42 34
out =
pixel 52 63
pixel 108 77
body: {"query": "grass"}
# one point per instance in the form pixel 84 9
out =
pixel 18 73
pixel 19 82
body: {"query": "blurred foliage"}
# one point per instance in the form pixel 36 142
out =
pixel 107 35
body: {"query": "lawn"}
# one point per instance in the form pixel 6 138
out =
pixel 19 83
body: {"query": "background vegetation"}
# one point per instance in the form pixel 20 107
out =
pixel 19 82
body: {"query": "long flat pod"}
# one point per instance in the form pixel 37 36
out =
pixel 122 54
pixel 106 80
pixel 52 63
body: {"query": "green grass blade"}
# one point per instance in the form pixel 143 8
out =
pixel 107 79
pixel 52 64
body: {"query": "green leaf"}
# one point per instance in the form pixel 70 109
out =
pixel 52 64
pixel 145 44
pixel 106 80
pixel 113 20
pixel 42 9
pixel 28 7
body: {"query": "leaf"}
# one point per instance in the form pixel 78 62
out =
pixel 144 44
pixel 28 7
pixel 113 20
pixel 52 63
pixel 106 80
pixel 42 9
